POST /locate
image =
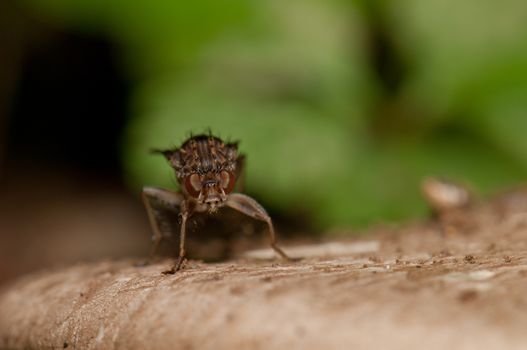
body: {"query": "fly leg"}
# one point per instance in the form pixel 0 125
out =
pixel 181 257
pixel 252 208
pixel 240 173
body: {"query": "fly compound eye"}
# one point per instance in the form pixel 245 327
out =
pixel 193 185
pixel 227 181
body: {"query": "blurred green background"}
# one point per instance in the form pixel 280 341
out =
pixel 342 107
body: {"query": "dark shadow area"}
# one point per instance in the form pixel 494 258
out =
pixel 62 196
pixel 70 106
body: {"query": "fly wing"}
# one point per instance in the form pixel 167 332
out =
pixel 163 208
pixel 240 173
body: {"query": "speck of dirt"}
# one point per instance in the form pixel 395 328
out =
pixel 323 268
pixel 375 259
pixel 237 290
pixel 300 331
pixel 469 259
pixel 266 279
pixel 507 259
pixel 467 296
pixel 415 275
pixel 444 253
pixel 230 317
pixel 213 278
pixel 65 345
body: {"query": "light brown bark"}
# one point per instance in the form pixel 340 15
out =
pixel 414 289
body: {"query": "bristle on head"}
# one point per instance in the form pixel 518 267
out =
pixel 167 153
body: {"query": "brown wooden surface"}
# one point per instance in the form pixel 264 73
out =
pixel 462 287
